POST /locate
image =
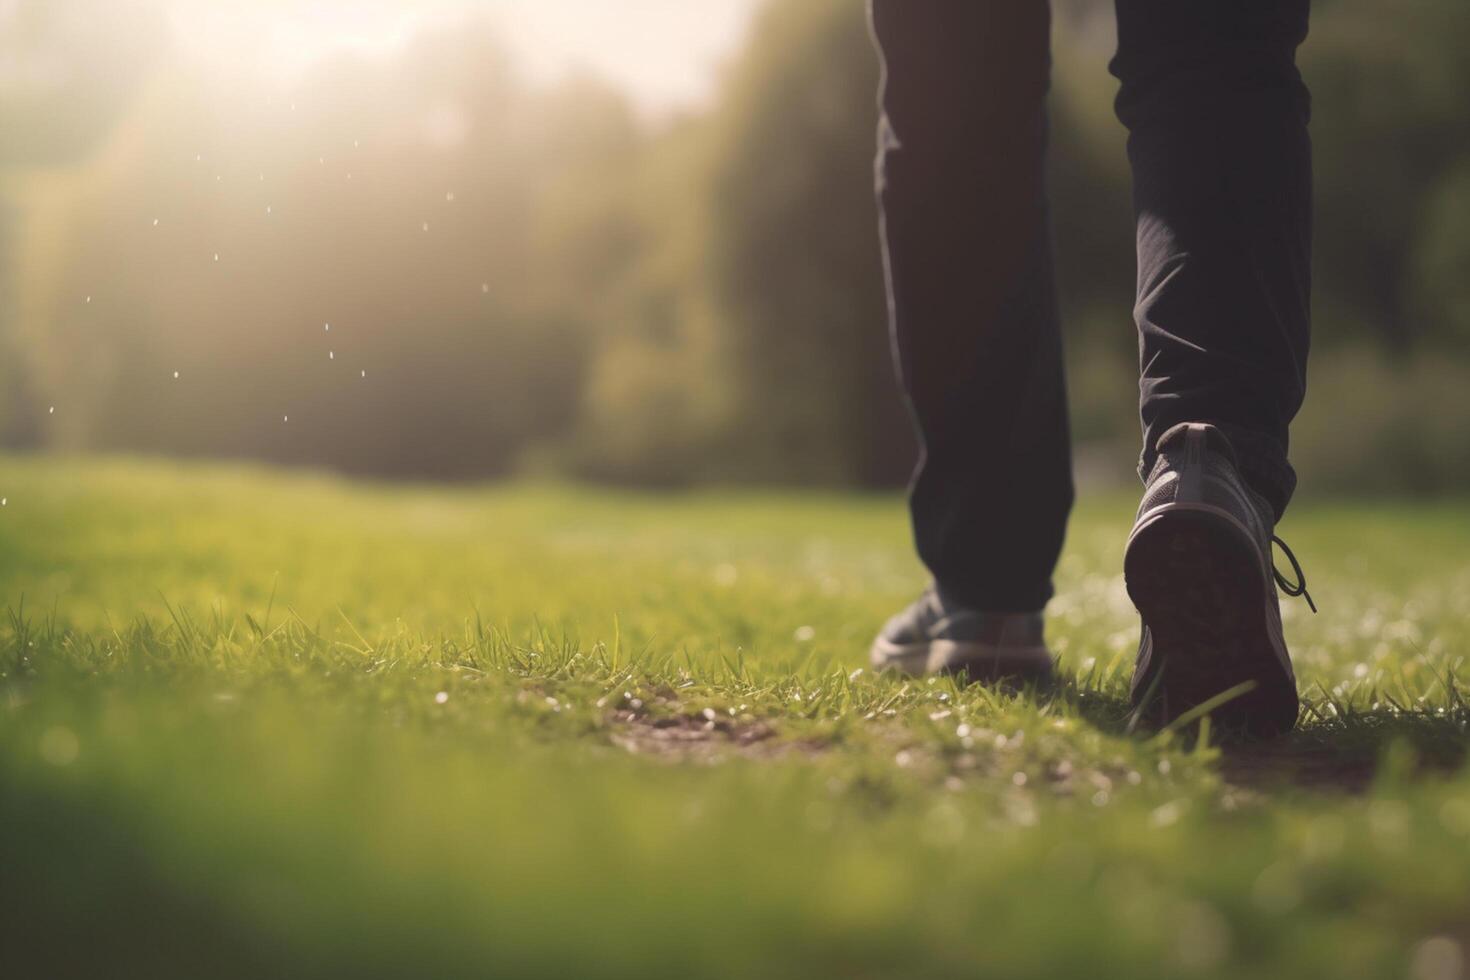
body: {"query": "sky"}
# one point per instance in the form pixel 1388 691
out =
pixel 665 53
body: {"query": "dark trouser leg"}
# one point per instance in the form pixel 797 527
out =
pixel 974 314
pixel 1218 114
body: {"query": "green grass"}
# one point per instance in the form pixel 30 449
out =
pixel 266 725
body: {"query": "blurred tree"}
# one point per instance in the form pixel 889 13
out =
pixel 355 255
pixel 1440 259
pixel 1392 95
pixel 68 70
pixel 797 272
pixel 525 276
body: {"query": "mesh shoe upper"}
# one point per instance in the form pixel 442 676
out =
pixel 1197 466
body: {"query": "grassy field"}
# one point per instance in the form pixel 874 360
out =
pixel 266 725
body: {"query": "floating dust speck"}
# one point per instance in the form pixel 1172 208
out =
pixel 485 287
pixel 449 197
pixel 176 375
pixel 331 355
pixel 155 222
pixel 216 256
pixel 267 209
pixel 4 501
pixel 805 634
pixel 89 299
pixel 326 328
pixel 364 374
pixel 51 410
pixel 442 697
pixel 285 418
pixel 426 226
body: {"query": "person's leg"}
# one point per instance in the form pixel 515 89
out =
pixel 974 316
pixel 1217 114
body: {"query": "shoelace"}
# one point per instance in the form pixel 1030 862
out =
pixel 1297 589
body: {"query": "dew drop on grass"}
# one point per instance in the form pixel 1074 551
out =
pixel 60 746
pixel 1277 890
pixel 1455 816
pixel 943 826
pixel 1438 958
pixel 1167 815
pixel 1203 937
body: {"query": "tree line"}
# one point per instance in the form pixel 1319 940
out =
pixel 426 267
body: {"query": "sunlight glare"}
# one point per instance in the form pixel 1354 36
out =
pixel 664 53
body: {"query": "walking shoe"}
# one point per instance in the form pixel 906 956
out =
pixel 936 636
pixel 1200 572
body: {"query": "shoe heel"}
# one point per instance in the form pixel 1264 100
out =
pixel 1197 582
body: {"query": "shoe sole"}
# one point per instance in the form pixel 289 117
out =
pixel 980 663
pixel 1196 577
